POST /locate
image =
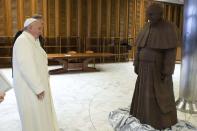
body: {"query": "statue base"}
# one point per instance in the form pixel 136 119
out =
pixel 120 120
pixel 186 106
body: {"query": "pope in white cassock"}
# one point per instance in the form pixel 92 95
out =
pixel 31 80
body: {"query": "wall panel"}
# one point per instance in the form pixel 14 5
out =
pixel 2 18
pixel 80 25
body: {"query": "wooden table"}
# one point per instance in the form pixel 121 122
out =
pixel 66 60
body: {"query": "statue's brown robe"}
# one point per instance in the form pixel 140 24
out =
pixel 153 100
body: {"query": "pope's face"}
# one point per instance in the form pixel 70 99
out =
pixel 36 29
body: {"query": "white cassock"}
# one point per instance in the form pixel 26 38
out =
pixel 30 77
pixel 4 84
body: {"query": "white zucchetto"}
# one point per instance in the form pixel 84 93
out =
pixel 29 21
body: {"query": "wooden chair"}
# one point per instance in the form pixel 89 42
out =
pixel 71 52
pixel 73 60
pixel 93 60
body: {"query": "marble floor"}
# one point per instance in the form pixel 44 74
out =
pixel 83 100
